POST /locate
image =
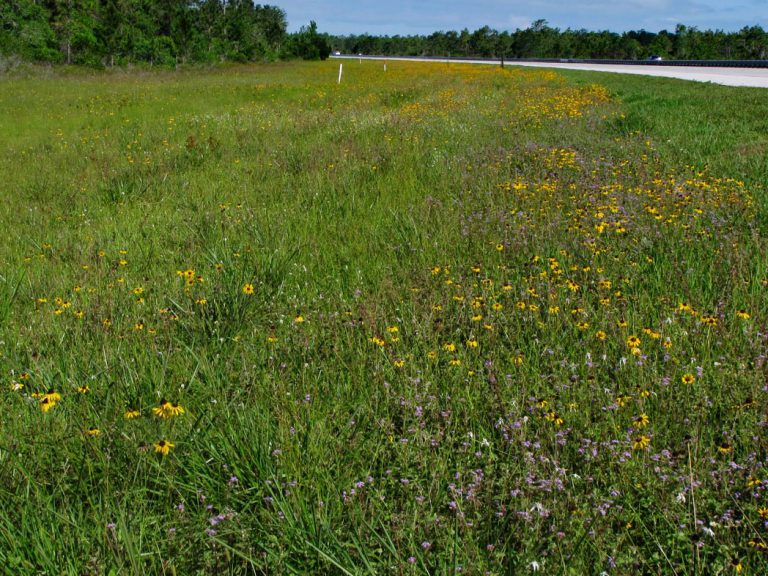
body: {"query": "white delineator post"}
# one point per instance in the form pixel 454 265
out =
pixel 341 66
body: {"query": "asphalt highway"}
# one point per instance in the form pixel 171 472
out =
pixel 752 77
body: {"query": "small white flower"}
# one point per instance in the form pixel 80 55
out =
pixel 534 566
pixel 680 498
pixel 708 531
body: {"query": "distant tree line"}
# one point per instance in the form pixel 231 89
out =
pixel 542 41
pixel 163 32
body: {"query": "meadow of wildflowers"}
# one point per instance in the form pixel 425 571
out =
pixel 431 320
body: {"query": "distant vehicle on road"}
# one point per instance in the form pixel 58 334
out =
pixel 655 58
pixel 337 53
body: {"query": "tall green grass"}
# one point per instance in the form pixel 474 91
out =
pixel 398 314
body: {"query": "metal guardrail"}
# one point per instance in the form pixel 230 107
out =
pixel 511 61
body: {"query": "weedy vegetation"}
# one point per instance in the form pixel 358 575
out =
pixel 440 319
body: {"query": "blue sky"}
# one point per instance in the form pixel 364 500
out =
pixel 426 16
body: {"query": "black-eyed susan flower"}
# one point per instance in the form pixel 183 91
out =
pixel 555 418
pixel 724 448
pixel 168 410
pixel 641 442
pixel 378 341
pixel 248 289
pixel 46 404
pixel 641 421
pixel 622 399
pixel 163 447
pixel 688 378
pixel 131 413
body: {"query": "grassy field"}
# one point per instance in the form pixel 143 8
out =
pixel 438 319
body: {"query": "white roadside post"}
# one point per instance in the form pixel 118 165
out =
pixel 341 66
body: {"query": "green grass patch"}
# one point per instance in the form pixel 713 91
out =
pixel 435 319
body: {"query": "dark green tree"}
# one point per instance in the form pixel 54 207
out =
pixel 25 30
pixel 309 44
pixel 75 22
